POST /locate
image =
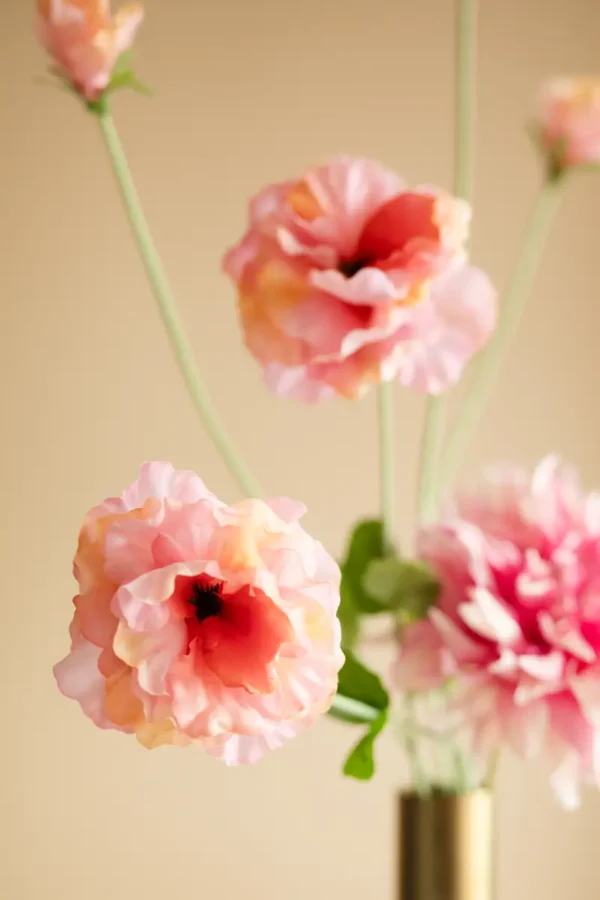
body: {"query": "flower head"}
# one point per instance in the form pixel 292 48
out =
pixel 518 623
pixel 347 277
pixel 85 41
pixel 200 622
pixel 570 122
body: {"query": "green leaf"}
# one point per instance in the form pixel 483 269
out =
pixel 366 544
pixel 127 79
pixel 124 63
pixel 123 76
pixel 406 587
pixel 360 684
pixel 361 698
pixel 349 617
pixel 140 87
pixel 360 762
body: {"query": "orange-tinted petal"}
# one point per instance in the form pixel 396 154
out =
pixel 303 202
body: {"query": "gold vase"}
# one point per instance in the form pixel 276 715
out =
pixel 445 846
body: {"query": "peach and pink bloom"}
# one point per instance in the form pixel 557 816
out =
pixel 570 121
pixel 85 41
pixel 517 626
pixel 198 622
pixel 347 277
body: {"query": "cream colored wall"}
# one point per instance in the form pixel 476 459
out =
pixel 248 92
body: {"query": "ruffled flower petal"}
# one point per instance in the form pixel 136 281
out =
pixel 200 622
pixel 346 278
pixel 518 559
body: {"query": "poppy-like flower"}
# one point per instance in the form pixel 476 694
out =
pixel 347 277
pixel 570 122
pixel 517 626
pixel 85 41
pixel 201 622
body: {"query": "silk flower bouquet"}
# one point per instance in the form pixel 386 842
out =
pixel 229 626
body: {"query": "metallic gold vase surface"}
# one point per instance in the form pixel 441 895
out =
pixel 446 846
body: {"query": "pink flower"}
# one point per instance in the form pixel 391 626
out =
pixel 570 122
pixel 518 622
pixel 85 42
pixel 346 277
pixel 200 622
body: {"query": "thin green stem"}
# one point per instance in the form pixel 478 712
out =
pixel 462 770
pixel 346 707
pixel 486 367
pixel 420 781
pixel 168 309
pixel 466 65
pixel 385 399
pixel 431 440
pixel 466 97
pixel 490 778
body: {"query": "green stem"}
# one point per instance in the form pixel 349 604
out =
pixel 490 778
pixel 168 309
pixel 486 367
pixel 385 399
pixel 466 97
pixel 463 776
pixel 345 707
pixel 466 65
pixel 420 781
pixel 431 441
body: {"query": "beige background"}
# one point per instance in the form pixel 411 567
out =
pixel 248 92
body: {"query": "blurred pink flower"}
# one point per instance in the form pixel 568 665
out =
pixel 518 623
pixel 85 41
pixel 200 622
pixel 570 121
pixel 347 277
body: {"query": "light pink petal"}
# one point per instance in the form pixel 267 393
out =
pixel 454 638
pixel 570 724
pixel 127 22
pixel 128 550
pixel 160 481
pixel 143 604
pixel 79 678
pixel 570 120
pixel 448 329
pixel 420 663
pixel 368 287
pixel 191 694
pixel 235 750
pixel 486 615
pixel 506 664
pixel 297 383
pixel 565 634
pixel 565 780
pixel 524 727
pixel 151 653
pixel 321 324
pixel 241 256
pixel 549 667
pixel 586 688
pixel 289 511
pixel 267 203
pixel 348 190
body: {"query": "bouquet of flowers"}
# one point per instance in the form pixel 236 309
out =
pixel 230 627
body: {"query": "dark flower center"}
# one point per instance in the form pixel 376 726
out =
pixel 206 599
pixel 350 267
